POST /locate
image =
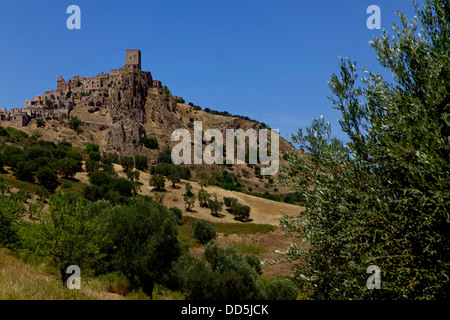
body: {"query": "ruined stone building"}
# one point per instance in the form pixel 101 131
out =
pixel 79 91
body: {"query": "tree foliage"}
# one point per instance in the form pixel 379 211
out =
pixel 382 198
pixel 158 181
pixel 66 233
pixel 144 240
pixel 203 231
pixel 226 276
pixel 11 209
pixel 150 143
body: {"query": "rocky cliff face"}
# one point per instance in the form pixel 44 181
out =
pixel 136 107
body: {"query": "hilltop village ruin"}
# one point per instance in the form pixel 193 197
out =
pixel 78 91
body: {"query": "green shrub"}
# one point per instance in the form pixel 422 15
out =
pixel 95 155
pixel 222 274
pixel 123 186
pixel 91 166
pixel 229 201
pixel 100 178
pixel 93 193
pixel 165 156
pixel 230 186
pixel 12 155
pixel 145 255
pixel 151 143
pixel 41 192
pixel 157 181
pixel 68 167
pixel 75 123
pixel 127 163
pixel 115 282
pixel 281 290
pixel 4 186
pixel 40 123
pixel 141 162
pixel 203 231
pixel 11 209
pixel 203 197
pixel 25 171
pixel 66 224
pixel 254 262
pixel 178 213
pixel 380 197
pixel 47 178
pixel 215 206
pixel 66 185
pixel 91 147
pixel 241 211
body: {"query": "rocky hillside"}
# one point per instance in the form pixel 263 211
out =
pixel 137 107
pixel 134 110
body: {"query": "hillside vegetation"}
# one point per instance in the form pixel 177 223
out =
pixel 62 205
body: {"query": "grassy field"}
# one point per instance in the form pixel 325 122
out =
pixel 225 229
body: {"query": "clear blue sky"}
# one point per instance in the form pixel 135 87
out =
pixel 269 60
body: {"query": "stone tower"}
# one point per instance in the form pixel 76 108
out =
pixel 133 58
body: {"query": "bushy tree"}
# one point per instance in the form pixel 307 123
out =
pixel 11 209
pixel 100 178
pixel 123 186
pixel 24 171
pixel 188 190
pixel 144 238
pixel 68 167
pixel 133 175
pixel 91 147
pixel 184 172
pixel 382 198
pixel 203 231
pixel 241 211
pixel 174 177
pixel 95 155
pixel 202 178
pixel 178 213
pixel 215 206
pixel 281 290
pixel 12 155
pixel 222 274
pixel 47 178
pixel 127 163
pixel 141 162
pixel 189 202
pixel 92 165
pixel 93 193
pixel 228 201
pixel 158 181
pixel 66 233
pixel 189 197
pixel 203 197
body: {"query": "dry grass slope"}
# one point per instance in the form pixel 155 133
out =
pixel 21 281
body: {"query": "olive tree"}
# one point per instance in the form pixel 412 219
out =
pixel 381 198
